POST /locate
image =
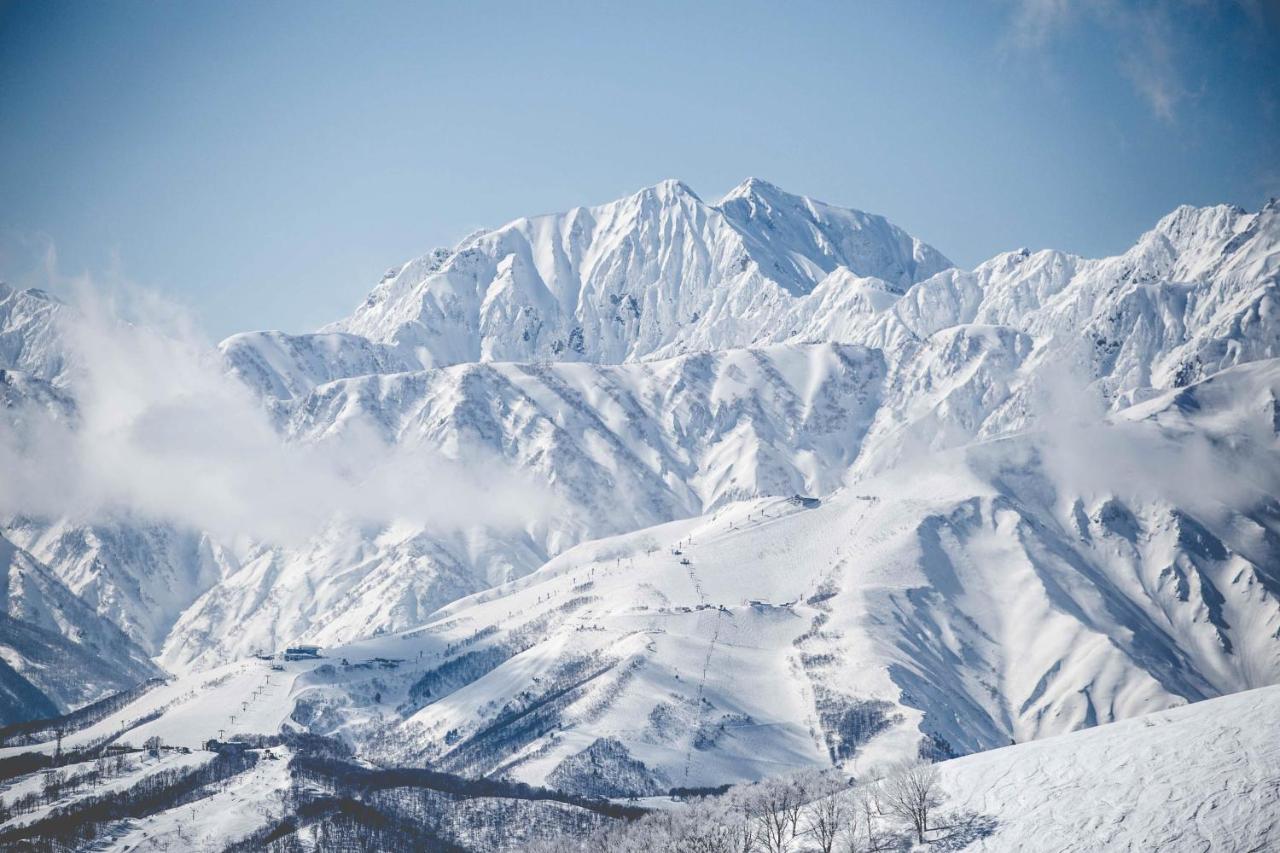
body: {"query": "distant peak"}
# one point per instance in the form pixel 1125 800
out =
pixel 754 187
pixel 30 293
pixel 670 188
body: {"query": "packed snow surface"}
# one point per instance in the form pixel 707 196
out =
pixel 1201 777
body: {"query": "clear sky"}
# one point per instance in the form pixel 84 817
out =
pixel 264 162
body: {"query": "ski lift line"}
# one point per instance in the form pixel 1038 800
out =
pixel 702 683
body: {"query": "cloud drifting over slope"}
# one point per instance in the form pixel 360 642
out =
pixel 159 431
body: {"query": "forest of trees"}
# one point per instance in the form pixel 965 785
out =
pixel 818 811
pixel 336 803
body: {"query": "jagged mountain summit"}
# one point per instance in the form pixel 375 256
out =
pixel 655 274
pixel 652 274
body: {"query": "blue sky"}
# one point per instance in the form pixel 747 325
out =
pixel 264 162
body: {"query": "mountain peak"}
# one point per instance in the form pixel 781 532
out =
pixel 754 187
pixel 670 189
pixel 641 276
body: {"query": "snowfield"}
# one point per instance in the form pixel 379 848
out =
pixel 1203 777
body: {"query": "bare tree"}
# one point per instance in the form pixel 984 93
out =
pixel 743 837
pixel 707 827
pixel 775 810
pixel 910 792
pixel 52 785
pixel 825 820
pixel 862 832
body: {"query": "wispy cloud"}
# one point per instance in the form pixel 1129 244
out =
pixel 1152 67
pixel 1146 41
pixel 1034 23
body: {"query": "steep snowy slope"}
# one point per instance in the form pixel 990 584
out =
pixel 677 437
pixel 660 272
pixel 30 340
pixel 284 367
pixel 57 643
pixel 137 571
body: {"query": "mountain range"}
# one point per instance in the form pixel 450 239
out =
pixel 781 488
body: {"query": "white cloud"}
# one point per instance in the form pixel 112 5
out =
pixel 163 433
pixel 1035 22
pixel 1141 38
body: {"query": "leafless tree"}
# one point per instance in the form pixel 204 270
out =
pixel 826 819
pixel 708 827
pixel 772 803
pixel 745 837
pixel 775 807
pixel 910 792
pixel 862 832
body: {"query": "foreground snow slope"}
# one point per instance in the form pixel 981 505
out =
pixel 1203 777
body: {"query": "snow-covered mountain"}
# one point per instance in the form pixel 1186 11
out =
pixel 655 274
pixel 678 437
pixel 780 489
pixel 30 342
pixel 958 357
pixel 996 451
pixel 1196 294
pixel 1009 590
pixel 57 652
